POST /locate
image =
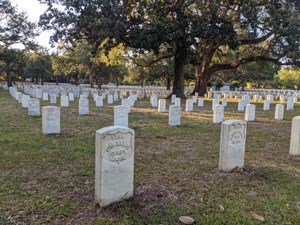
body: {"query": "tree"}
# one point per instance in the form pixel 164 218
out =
pixel 38 65
pixel 15 28
pixel 290 77
pixel 241 32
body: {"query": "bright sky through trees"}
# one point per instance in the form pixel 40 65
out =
pixel 34 9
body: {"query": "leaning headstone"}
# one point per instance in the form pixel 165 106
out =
pixel 114 165
pixel 232 145
pixel 218 115
pixel 174 115
pixel 279 112
pixel 250 112
pixel 83 106
pixel 121 116
pixel 295 136
pixel 51 120
pixel 162 105
pixel 34 107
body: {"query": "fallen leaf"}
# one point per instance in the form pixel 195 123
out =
pixel 258 217
pixel 222 208
pixel 186 220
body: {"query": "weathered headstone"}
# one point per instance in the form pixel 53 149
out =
pixel 51 120
pixel 290 103
pixel 178 101
pixel 114 165
pixel 174 115
pixel 126 102
pixel 45 96
pixel 295 136
pixel 110 99
pixel 71 97
pixel 232 145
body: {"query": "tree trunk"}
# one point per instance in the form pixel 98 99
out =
pixel 168 83
pixel 99 82
pixel 92 80
pixel 179 62
pixel 202 76
pixel 57 80
pixel 9 80
pixel 42 80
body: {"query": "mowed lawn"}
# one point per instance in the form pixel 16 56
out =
pixel 50 179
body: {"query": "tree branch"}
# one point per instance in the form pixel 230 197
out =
pixel 257 40
pixel 154 61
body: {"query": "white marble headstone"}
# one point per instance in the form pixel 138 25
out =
pixel 114 165
pixel 51 120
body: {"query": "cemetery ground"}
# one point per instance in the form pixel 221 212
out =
pixel 49 179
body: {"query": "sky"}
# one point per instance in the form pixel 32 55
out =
pixel 34 9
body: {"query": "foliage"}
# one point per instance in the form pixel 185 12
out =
pixel 289 77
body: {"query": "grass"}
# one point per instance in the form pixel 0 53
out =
pixel 50 179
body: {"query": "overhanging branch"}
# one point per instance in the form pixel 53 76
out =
pixel 154 61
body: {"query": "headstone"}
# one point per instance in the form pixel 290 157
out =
pixel 241 105
pixel 232 145
pixel 110 99
pixel 173 99
pixel 250 112
pixel 295 136
pixel 224 102
pixel 121 116
pixel 52 98
pixel 178 101
pixel 45 96
pixel 34 107
pixel 174 115
pixel 126 102
pixel 114 165
pixel 194 99
pixel 131 100
pixel 218 115
pixel 64 101
pixel 25 99
pixel 214 103
pixel 99 101
pixel 290 103
pixel 279 112
pixel 266 105
pixel 200 102
pixel 153 101
pixel 51 120
pixel 162 105
pixel 189 105
pixel 71 97
pixel 83 106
